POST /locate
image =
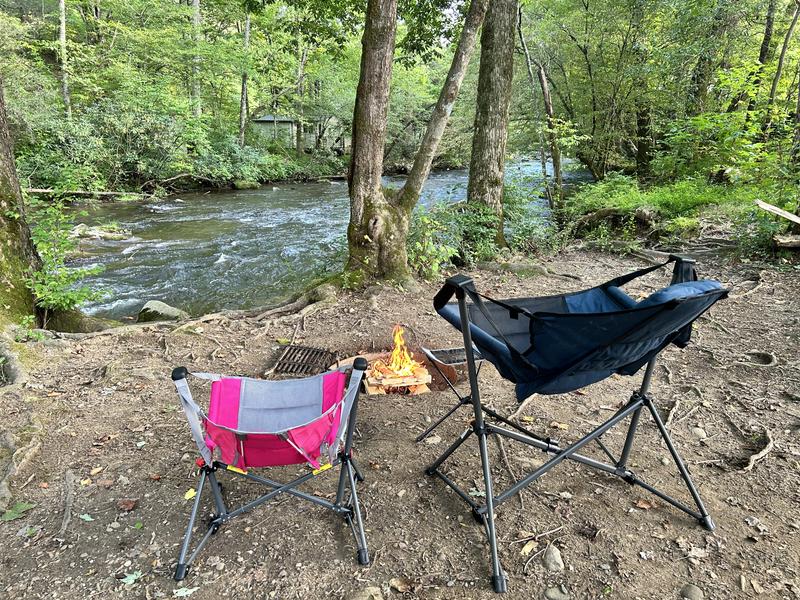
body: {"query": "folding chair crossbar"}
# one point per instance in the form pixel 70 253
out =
pixel 487 422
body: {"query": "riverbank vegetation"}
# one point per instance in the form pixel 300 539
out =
pixel 684 113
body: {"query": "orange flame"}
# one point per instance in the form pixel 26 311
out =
pixel 400 361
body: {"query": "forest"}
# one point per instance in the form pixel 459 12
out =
pixel 367 211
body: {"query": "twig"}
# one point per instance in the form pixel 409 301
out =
pixel 527 562
pixel 760 455
pixel 69 496
pixel 507 464
pixel 672 412
pixel 688 413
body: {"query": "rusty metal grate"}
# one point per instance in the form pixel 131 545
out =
pixel 304 360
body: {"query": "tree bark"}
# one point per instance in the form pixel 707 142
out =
pixel 302 56
pixel 644 142
pixel 796 142
pixel 375 249
pixel 17 254
pixel 62 48
pixel 444 106
pixel 243 101
pixel 556 195
pixel 197 108
pixel 487 164
pixel 704 68
pixel 754 78
pixel 379 219
pixel 779 69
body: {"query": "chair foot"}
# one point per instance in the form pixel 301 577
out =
pixel 708 523
pixel 181 571
pixel 479 518
pixel 500 583
pixel 363 556
pixel 430 471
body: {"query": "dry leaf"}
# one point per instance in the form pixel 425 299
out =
pixel 190 493
pixel 557 425
pixel 529 547
pixel 401 584
pixel 95 471
pixel 644 504
pixel 127 504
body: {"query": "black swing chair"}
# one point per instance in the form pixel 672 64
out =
pixel 557 344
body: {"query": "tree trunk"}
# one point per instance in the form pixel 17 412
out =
pixel 796 142
pixel 243 108
pixel 379 219
pixel 444 106
pixel 487 164
pixel 779 70
pixel 704 68
pixel 17 254
pixel 754 78
pixel 196 18
pixel 556 196
pixel 376 233
pixel 62 48
pixel 644 142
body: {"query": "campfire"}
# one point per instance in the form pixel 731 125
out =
pixel 399 373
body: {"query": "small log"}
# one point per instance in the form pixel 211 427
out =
pixel 777 211
pixel 786 241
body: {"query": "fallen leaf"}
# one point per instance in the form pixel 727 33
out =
pixel 106 483
pixel 283 341
pixel 527 419
pixel 127 504
pixel 529 547
pixel 86 481
pixel 16 511
pixel 131 578
pixel 644 504
pixel 191 493
pixel 184 592
pixel 95 471
pixel 138 525
pixel 86 517
pixel 557 425
pixel 401 584
pixel 157 477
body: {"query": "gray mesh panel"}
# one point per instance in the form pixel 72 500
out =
pixel 279 405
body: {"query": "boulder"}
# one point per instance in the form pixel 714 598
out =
pixel 155 310
pixel 245 184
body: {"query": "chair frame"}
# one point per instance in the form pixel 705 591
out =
pixel 347 507
pixel 618 466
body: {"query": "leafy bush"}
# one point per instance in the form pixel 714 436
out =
pixel 428 243
pixel 56 286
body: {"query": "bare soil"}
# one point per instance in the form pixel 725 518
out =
pixel 98 430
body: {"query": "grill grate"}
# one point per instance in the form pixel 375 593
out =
pixel 304 360
pixel 451 356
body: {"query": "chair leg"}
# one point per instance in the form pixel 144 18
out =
pixel 499 580
pixel 439 421
pixel 182 567
pixel 362 553
pixel 704 518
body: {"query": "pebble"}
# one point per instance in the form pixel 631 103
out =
pixel 552 559
pixel 692 592
pixel 699 433
pixel 557 593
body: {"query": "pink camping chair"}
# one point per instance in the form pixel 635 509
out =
pixel 254 423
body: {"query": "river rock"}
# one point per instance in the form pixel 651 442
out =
pixel 155 310
pixel 245 184
pixel 552 559
pixel 82 230
pixel 692 592
pixel 699 433
pixel 557 593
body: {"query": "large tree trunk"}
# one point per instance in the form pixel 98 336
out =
pixel 796 143
pixel 556 195
pixel 302 56
pixel 379 219
pixel 375 249
pixel 62 49
pixel 197 108
pixel 487 164
pixel 243 101
pixel 17 254
pixel 779 69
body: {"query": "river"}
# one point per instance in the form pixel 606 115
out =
pixel 237 248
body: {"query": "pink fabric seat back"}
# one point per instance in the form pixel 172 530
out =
pixel 254 449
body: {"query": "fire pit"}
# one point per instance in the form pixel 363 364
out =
pixel 399 372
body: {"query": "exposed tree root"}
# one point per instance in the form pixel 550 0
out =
pixel 69 497
pixel 751 463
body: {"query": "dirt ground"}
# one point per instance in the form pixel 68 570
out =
pixel 98 430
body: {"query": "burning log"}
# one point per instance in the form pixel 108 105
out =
pixel 399 373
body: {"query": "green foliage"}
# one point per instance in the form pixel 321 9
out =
pixel 428 244
pixel 27 330
pixel 17 511
pixel 55 285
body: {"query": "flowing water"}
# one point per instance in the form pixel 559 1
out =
pixel 236 249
